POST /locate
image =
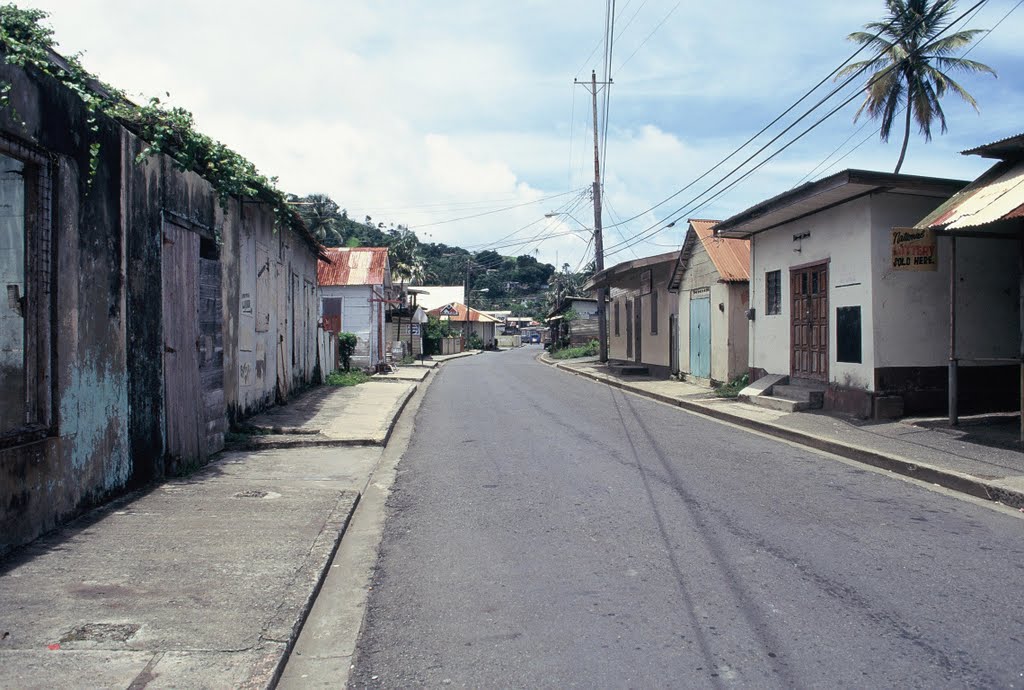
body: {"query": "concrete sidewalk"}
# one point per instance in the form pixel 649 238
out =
pixel 362 415
pixel 979 457
pixel 203 581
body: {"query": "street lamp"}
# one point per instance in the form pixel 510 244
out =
pixel 602 317
pixel 479 291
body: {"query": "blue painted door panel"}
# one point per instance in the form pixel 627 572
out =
pixel 700 337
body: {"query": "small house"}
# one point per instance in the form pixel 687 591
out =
pixel 355 293
pixel 711 279
pixel 846 299
pixel 466 322
pixel 574 320
pixel 641 314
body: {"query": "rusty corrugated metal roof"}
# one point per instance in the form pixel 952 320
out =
pixel 1010 147
pixel 997 195
pixel 461 313
pixel 730 256
pixel 354 266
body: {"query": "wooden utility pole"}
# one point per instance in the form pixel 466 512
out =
pixel 602 316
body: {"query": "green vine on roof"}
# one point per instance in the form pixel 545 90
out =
pixel 26 41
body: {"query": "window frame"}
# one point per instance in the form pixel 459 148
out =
pixel 773 293
pixel 39 293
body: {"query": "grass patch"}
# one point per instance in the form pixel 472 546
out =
pixel 347 378
pixel 588 350
pixel 733 388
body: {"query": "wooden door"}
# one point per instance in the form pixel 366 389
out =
pixel 211 350
pixel 629 329
pixel 700 335
pixel 183 410
pixel 808 287
pixel 673 344
pixel 637 327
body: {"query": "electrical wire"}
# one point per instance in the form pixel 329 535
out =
pixel 764 129
pixel 498 210
pixel 654 229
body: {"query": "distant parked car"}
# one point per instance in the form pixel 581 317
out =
pixel 535 337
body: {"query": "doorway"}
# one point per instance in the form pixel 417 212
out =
pixel 808 287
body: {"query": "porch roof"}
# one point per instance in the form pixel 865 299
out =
pixel 997 195
pixel 609 276
pixel 813 197
pixel 1010 147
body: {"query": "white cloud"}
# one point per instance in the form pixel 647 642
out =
pixel 423 112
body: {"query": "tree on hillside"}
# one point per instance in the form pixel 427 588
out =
pixel 322 216
pixel 912 67
pixel 406 258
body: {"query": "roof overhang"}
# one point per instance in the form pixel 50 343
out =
pixel 1004 149
pixel 841 188
pixel 609 276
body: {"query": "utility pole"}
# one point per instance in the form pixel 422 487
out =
pixel 602 316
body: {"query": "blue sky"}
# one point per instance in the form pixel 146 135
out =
pixel 424 113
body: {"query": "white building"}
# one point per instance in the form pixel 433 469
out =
pixel 435 296
pixel 355 286
pixel 841 298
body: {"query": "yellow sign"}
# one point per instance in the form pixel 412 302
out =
pixel 914 249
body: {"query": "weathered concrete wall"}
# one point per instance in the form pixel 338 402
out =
pixel 102 422
pixel 82 453
pixel 264 361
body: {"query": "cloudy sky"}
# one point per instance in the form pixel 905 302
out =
pixel 460 118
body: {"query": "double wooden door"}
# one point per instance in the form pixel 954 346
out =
pixel 808 287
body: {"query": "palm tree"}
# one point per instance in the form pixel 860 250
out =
pixel 323 218
pixel 913 65
pixel 405 255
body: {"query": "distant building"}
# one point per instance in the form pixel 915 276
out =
pixel 467 321
pixel 355 292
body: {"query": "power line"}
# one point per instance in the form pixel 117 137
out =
pixel 498 210
pixel 644 42
pixel 654 229
pixel 898 112
pixel 766 127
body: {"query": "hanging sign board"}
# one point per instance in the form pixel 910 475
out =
pixel 914 249
pixel 449 310
pixel 419 316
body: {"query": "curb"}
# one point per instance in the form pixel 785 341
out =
pixel 949 479
pixel 397 411
pixel 285 626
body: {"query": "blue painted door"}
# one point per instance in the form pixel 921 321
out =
pixel 700 336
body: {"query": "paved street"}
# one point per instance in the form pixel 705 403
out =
pixel 546 530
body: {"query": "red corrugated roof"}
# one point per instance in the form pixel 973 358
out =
pixel 354 266
pixel 461 313
pixel 730 256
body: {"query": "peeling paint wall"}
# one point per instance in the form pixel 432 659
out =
pixel 106 430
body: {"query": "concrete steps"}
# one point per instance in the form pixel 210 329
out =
pixel 630 369
pixel 778 392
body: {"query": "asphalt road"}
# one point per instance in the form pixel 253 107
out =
pixel 549 531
